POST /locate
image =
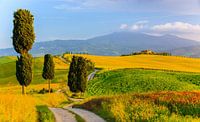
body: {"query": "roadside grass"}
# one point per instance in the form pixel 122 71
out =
pixel 158 106
pixel 140 80
pixel 44 114
pixel 172 63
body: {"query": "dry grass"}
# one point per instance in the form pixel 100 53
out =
pixel 17 108
pixel 174 63
pixel 59 64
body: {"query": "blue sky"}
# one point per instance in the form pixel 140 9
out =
pixel 81 19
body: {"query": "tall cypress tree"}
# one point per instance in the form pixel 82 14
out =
pixel 77 77
pixel 81 74
pixel 48 69
pixel 24 70
pixel 23 39
pixel 72 75
pixel 23 32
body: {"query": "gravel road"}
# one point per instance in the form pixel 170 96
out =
pixel 63 115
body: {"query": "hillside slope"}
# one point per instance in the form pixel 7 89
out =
pixel 138 80
pixel 173 63
pixel 7 70
pixel 191 51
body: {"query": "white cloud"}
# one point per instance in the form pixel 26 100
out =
pixel 181 29
pixel 177 27
pixel 135 27
pixel 123 26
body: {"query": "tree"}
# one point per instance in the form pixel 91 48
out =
pixel 72 74
pixel 77 77
pixel 23 32
pixel 24 70
pixel 23 39
pixel 48 69
pixel 82 74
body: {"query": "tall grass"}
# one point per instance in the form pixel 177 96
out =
pixel 160 106
pixel 17 108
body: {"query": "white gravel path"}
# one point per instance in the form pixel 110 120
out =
pixel 86 115
pixel 63 115
pixel 91 75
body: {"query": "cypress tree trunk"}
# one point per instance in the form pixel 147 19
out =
pixel 23 89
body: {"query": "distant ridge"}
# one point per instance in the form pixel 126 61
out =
pixel 190 51
pixel 117 43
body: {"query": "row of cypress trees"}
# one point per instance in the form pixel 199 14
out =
pixel 23 39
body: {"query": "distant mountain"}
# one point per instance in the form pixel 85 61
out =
pixel 191 51
pixel 112 44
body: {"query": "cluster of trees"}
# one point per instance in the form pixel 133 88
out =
pixel 78 72
pixel 148 52
pixel 23 39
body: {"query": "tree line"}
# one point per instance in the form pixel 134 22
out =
pixel 23 39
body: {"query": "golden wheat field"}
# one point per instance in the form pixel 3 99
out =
pixel 175 63
pixel 15 107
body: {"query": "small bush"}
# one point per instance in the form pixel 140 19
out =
pixel 44 114
pixel 43 91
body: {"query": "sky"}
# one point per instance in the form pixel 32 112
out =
pixel 82 19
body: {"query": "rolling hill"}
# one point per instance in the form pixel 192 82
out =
pixel 117 43
pixel 172 63
pixel 7 70
pixel 138 80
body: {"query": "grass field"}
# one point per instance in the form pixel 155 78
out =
pixel 155 107
pixel 7 71
pixel 15 107
pixel 139 80
pixel 174 63
pixel 154 104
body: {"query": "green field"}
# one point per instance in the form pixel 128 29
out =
pixel 7 71
pixel 140 80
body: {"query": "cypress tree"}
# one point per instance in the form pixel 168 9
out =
pixel 24 70
pixel 48 69
pixel 72 75
pixel 81 74
pixel 23 39
pixel 77 77
pixel 23 32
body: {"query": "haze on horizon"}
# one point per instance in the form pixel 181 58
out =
pixel 81 19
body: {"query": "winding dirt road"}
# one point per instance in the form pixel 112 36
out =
pixel 86 115
pixel 63 115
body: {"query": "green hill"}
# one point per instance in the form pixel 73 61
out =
pixel 7 71
pixel 139 80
